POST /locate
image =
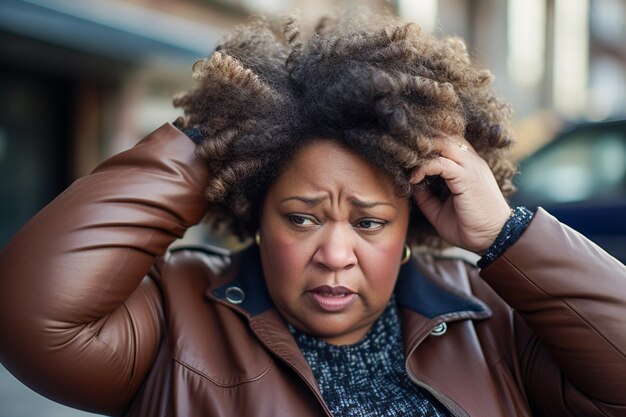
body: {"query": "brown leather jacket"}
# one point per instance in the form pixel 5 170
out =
pixel 96 314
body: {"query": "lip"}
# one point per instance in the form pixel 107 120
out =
pixel 332 299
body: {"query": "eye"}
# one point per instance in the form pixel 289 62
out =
pixel 370 224
pixel 302 220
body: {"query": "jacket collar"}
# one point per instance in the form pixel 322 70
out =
pixel 420 293
pixel 246 291
pixel 425 302
pixel 415 290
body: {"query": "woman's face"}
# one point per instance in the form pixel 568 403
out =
pixel 332 235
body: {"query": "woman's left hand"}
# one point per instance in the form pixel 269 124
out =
pixel 476 210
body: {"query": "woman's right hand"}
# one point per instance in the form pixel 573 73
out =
pixel 475 212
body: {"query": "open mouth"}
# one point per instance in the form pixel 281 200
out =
pixel 332 299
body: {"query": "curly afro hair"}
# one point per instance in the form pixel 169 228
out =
pixel 381 87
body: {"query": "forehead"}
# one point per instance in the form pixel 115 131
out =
pixel 324 165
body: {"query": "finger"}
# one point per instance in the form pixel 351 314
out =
pixel 446 168
pixel 457 149
pixel 428 203
pixel 423 195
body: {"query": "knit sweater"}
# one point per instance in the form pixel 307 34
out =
pixel 368 378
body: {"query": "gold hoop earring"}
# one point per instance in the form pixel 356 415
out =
pixel 406 254
pixel 257 238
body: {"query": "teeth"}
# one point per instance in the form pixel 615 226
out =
pixel 330 294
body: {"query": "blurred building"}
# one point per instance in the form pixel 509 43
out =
pixel 83 79
pixel 554 60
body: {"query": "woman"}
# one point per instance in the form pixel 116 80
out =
pixel 335 156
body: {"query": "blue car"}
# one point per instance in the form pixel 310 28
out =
pixel 580 177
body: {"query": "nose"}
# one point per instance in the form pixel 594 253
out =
pixel 336 249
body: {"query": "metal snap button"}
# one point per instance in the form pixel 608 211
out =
pixel 235 295
pixel 439 330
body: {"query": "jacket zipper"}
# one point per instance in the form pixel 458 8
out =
pixel 443 399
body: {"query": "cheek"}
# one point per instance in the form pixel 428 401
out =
pixel 285 262
pixel 381 264
pixel 286 258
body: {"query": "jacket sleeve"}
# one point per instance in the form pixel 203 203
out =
pixel 571 296
pixel 78 321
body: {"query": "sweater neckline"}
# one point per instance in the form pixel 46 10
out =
pixel 382 341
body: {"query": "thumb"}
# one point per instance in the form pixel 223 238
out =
pixel 427 202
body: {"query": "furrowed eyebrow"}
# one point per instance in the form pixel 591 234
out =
pixel 311 202
pixel 368 204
